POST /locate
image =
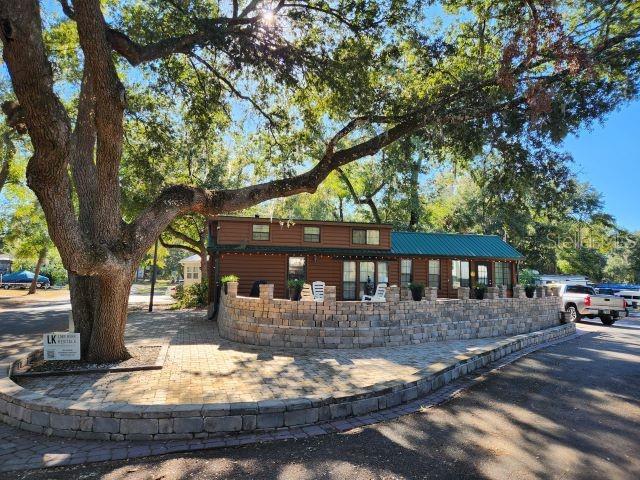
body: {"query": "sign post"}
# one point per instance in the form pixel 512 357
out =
pixel 61 346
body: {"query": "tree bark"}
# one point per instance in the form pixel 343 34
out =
pixel 110 318
pixel 34 283
pixel 84 292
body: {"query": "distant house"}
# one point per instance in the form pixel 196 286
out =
pixel 5 263
pixel 191 270
pixel 349 255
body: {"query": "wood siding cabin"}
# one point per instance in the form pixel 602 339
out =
pixel 348 254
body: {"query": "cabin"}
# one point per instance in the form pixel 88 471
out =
pixel 191 270
pixel 349 255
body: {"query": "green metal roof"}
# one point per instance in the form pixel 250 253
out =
pixel 452 245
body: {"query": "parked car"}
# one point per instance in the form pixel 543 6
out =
pixel 581 301
pixel 632 297
pixel 23 279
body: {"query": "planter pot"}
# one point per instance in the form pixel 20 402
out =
pixel 295 295
pixel 479 294
pixel 416 295
pixel 529 291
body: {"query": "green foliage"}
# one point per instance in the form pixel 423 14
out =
pixel 582 261
pixel 527 277
pixel 192 296
pixel 229 278
pixel 417 287
pixel 295 284
pixel 55 271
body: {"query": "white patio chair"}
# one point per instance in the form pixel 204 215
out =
pixel 318 291
pixel 306 294
pixel 379 296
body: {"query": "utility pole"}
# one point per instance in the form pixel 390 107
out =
pixel 153 275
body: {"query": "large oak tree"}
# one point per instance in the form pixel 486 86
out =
pixel 358 75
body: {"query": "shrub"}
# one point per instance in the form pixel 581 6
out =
pixel 528 277
pixel 417 291
pixel 192 296
pixel 229 278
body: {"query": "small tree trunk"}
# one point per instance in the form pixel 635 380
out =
pixel 204 267
pixel 107 334
pixel 34 283
pixel 84 294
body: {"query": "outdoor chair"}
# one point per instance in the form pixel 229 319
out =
pixel 318 291
pixel 379 296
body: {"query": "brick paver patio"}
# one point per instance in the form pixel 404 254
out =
pixel 201 367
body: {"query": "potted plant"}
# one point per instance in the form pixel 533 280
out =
pixel 228 278
pixel 295 287
pixel 528 278
pixel 417 291
pixel 480 290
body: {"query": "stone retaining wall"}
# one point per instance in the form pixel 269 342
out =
pixel 38 413
pixel 346 324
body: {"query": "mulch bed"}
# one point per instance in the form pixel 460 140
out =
pixel 142 358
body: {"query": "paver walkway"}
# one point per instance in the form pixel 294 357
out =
pixel 201 367
pixel 21 450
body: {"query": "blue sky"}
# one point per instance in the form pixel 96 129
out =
pixel 608 156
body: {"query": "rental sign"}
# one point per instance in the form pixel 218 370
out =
pixel 61 346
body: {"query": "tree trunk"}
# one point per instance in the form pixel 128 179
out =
pixel 204 265
pixel 414 185
pixel 84 291
pixel 34 283
pixel 110 318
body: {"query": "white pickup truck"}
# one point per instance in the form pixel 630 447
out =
pixel 581 301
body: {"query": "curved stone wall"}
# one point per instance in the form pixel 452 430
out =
pixel 85 419
pixel 347 324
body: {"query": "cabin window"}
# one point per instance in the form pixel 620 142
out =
pixel 503 274
pixel 192 273
pixel 349 280
pixel 260 232
pixel 361 236
pixel 460 273
pixel 405 271
pixel 383 272
pixel 297 268
pixel 367 273
pixel 312 234
pixel 434 273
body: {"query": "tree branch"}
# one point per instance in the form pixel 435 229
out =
pixel 49 129
pixel 233 89
pixel 185 238
pixel 365 199
pixel 175 245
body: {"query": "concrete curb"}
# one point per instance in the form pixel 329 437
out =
pixel 38 413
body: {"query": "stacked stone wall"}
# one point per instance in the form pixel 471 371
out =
pixel 346 324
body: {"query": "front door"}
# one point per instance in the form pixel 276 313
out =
pixel 482 274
